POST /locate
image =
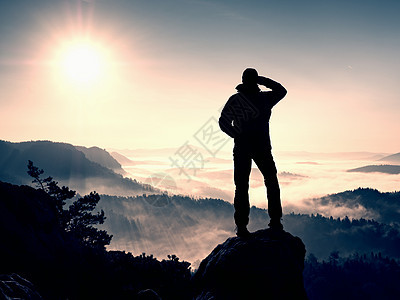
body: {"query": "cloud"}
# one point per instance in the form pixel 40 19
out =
pixel 291 175
pixel 307 163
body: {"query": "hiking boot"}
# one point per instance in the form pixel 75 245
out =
pixel 242 231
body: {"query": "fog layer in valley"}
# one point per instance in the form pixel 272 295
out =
pixel 302 175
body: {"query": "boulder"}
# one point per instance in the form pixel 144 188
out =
pixel 267 264
pixel 148 294
pixel 15 287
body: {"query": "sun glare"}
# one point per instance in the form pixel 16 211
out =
pixel 82 62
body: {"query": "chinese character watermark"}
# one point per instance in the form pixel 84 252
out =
pixel 211 137
pixel 189 160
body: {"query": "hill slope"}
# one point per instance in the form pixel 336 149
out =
pixel 102 157
pixel 34 245
pixel 387 169
pixel 66 164
pixel 394 158
pixel 122 159
pixel 383 207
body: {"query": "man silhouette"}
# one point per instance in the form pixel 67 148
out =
pixel 245 117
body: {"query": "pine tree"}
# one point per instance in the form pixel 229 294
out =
pixel 78 219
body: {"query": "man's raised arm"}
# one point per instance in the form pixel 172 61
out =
pixel 278 91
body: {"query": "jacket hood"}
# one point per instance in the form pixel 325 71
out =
pixel 247 89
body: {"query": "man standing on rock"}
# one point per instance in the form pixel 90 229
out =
pixel 245 117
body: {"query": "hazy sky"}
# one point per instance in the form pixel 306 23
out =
pixel 155 71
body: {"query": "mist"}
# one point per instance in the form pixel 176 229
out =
pixel 303 176
pixel 192 228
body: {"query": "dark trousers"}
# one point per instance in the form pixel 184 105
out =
pixel 262 156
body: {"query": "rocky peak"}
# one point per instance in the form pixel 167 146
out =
pixel 266 265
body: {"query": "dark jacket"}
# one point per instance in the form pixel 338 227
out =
pixel 245 116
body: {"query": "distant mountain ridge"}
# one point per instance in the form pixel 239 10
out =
pixel 83 169
pixel 384 206
pixel 159 222
pixel 102 157
pixel 394 158
pixel 387 169
pixel 122 160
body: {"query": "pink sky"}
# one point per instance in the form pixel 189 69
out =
pixel 166 71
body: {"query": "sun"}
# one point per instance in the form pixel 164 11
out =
pixel 82 61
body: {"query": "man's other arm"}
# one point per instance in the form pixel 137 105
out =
pixel 226 118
